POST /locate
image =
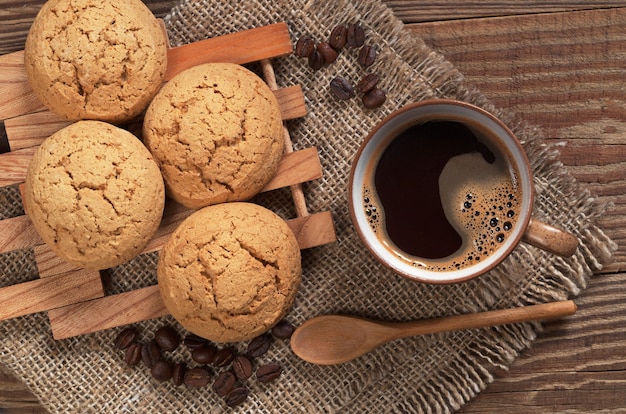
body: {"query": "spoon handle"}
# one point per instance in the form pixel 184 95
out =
pixel 483 319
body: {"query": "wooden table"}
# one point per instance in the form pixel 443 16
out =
pixel 561 66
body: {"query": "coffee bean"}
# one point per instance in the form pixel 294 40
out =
pixel 316 61
pixel 259 345
pixel 242 366
pixel 223 357
pixel 367 55
pixel 305 46
pixel 269 372
pixel 237 396
pixel 192 341
pixel 162 370
pixel 329 55
pixel 338 37
pixel 283 330
pixel 197 377
pixel 368 82
pixel 355 36
pixel 150 354
pixel 167 338
pixel 204 355
pixel 341 88
pixel 224 383
pixel 178 373
pixel 133 354
pixel 125 338
pixel 374 98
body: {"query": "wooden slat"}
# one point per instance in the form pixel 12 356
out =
pixel 13 166
pixel 108 312
pixel 296 168
pixel 252 45
pixel 18 233
pixel 50 293
pixel 32 129
pixel 142 304
pixel 17 98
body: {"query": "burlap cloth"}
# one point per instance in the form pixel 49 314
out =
pixel 434 373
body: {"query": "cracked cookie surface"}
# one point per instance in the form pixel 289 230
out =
pixel 94 194
pixel 216 132
pixel 88 59
pixel 230 271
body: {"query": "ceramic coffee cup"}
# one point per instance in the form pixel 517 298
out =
pixel 441 191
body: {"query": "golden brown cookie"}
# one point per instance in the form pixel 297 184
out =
pixel 93 59
pixel 230 271
pixel 216 132
pixel 94 194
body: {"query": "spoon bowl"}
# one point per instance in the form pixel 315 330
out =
pixel 335 339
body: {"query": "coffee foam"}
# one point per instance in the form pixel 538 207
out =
pixel 481 201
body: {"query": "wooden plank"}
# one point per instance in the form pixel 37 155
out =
pixel 296 168
pixel 241 47
pixel 142 304
pixel 13 166
pixel 31 129
pixel 17 98
pixel 411 11
pixel 18 233
pixel 108 312
pixel 50 293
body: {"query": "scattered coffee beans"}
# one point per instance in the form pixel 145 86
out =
pixel 197 377
pixel 338 37
pixel 125 338
pixel 167 338
pixel 355 36
pixel 305 47
pixel 259 345
pixel 323 54
pixel 367 83
pixel 242 367
pixel 162 370
pixel 374 98
pixel 367 55
pixel 269 372
pixel 329 55
pixel 204 355
pixel 224 383
pixel 341 88
pixel 283 330
pixel 150 354
pixel 132 355
pixel 237 396
pixel 178 374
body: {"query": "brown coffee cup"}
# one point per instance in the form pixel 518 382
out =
pixel 441 191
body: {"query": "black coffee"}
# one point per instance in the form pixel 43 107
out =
pixel 442 197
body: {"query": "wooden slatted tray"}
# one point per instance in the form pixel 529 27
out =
pixel 74 298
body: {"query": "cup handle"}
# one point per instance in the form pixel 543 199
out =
pixel 550 238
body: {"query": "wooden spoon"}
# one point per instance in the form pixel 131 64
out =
pixel 335 339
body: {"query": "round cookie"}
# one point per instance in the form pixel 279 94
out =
pixel 230 271
pixel 94 194
pixel 93 59
pixel 216 132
